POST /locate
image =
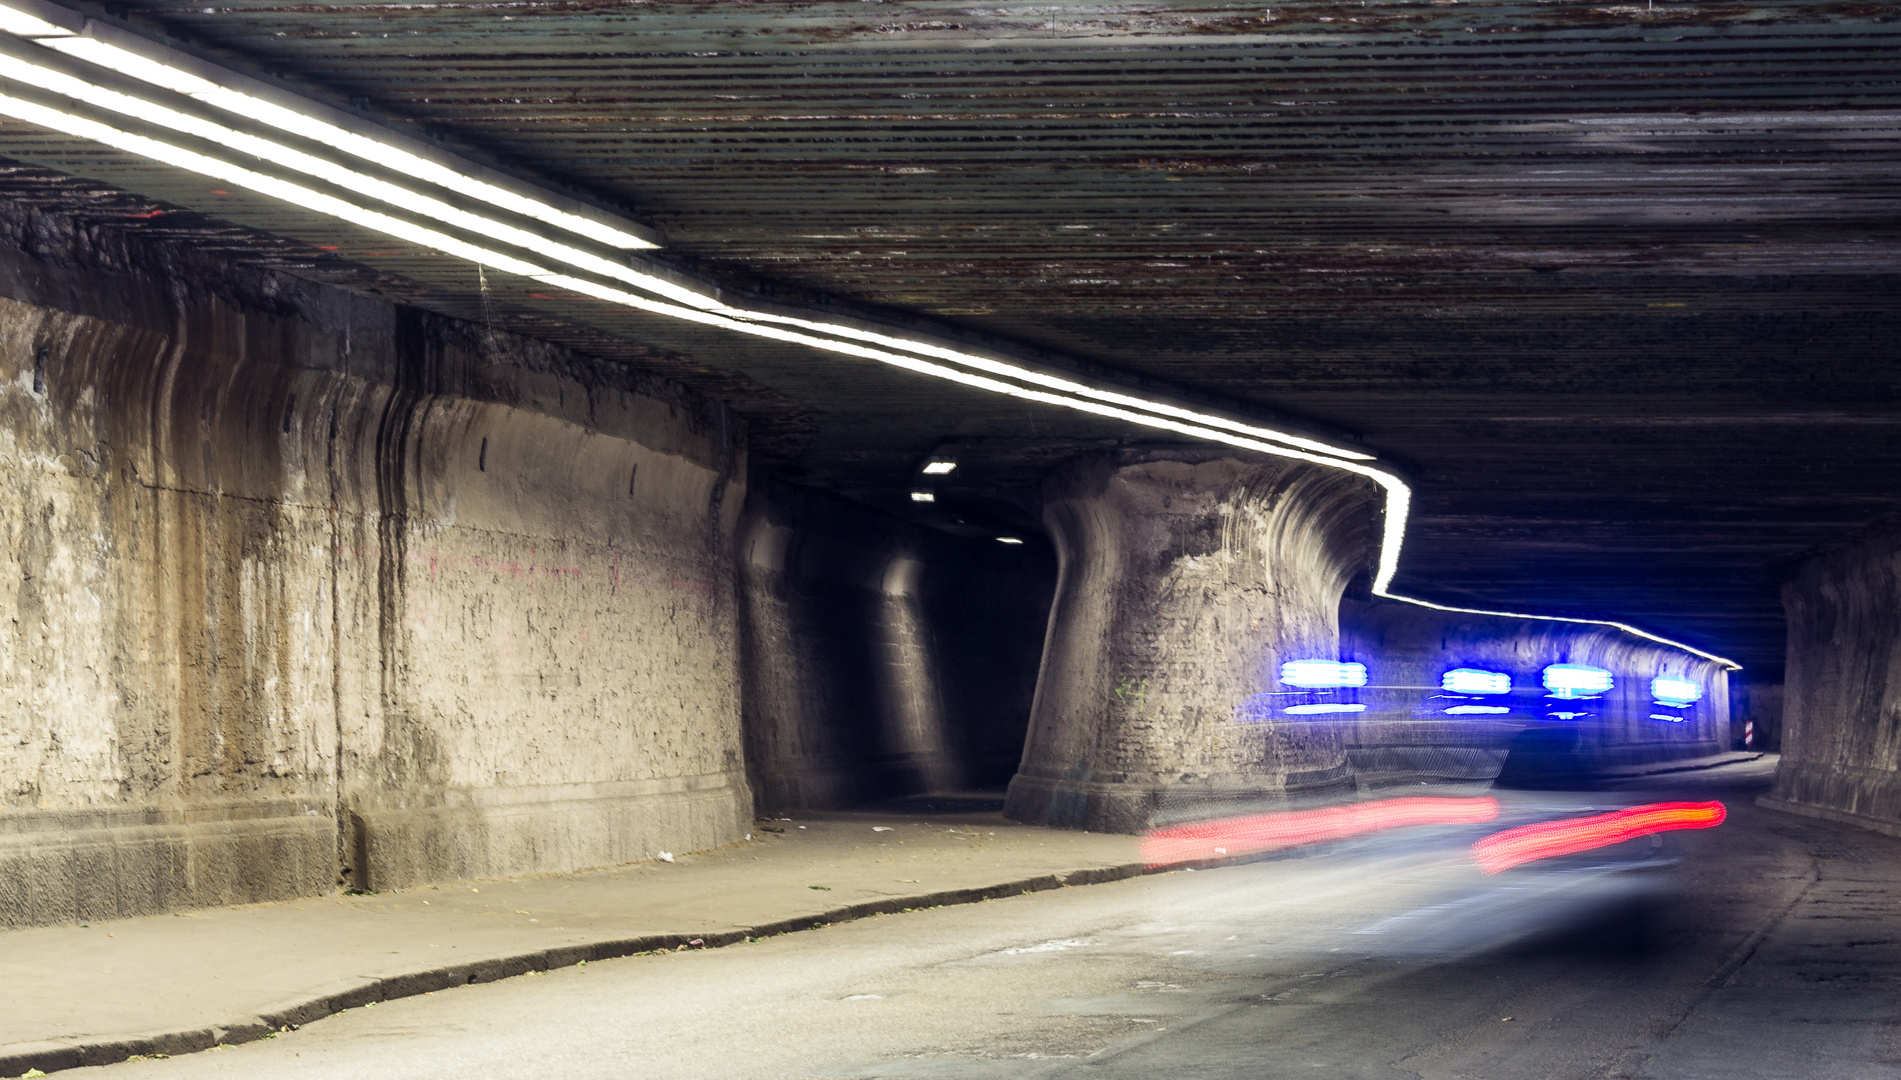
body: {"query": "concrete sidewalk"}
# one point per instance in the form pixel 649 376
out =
pixel 170 984
pixel 1684 765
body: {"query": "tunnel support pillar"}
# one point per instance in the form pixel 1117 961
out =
pixel 1841 737
pixel 1184 581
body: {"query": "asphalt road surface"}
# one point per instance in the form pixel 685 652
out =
pixel 1772 948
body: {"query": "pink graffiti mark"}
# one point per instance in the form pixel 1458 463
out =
pixel 513 569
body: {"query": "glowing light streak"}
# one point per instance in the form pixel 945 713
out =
pixel 1672 719
pixel 239 176
pixel 1380 589
pixel 1323 707
pixel 1551 839
pixel 170 77
pixel 1008 540
pixel 1322 674
pixel 20 24
pixel 1576 680
pixel 1256 833
pixel 1665 690
pixel 686 303
pixel 939 468
pixel 1478 710
pixel 1467 680
pixel 923 496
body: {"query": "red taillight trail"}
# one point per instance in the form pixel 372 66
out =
pixel 1549 839
pixel 1229 837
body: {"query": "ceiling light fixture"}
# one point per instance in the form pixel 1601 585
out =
pixel 126 54
pixel 939 468
pixel 923 496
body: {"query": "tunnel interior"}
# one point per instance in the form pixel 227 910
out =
pixel 448 444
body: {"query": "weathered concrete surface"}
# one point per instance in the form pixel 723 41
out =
pixel 311 587
pixel 881 658
pixel 1841 737
pixel 1405 732
pixel 1184 581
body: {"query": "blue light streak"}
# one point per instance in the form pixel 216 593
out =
pixel 1478 710
pixel 1323 707
pixel 1577 680
pixel 1674 692
pixel 1467 680
pixel 1322 674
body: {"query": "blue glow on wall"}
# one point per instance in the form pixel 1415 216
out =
pixel 1255 710
pixel 1323 707
pixel 1665 690
pixel 1577 680
pixel 1467 680
pixel 1322 674
pixel 1477 710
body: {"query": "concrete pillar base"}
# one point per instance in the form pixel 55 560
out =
pixel 1184 581
pixel 1841 745
pixel 1134 806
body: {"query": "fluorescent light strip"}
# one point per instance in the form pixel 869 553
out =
pixel 693 306
pixel 997 367
pixel 60 82
pixel 1726 663
pixel 295 194
pixel 158 73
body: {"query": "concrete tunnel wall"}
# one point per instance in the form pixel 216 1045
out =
pixel 315 589
pixel 1186 580
pixel 309 585
pixel 1405 734
pixel 1841 733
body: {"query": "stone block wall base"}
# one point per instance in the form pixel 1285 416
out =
pixel 1770 802
pixel 1137 807
pixel 1618 755
pixel 1869 798
pixel 820 784
pixel 503 832
pixel 1377 765
pixel 84 865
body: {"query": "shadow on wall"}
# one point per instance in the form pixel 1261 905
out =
pixel 881 659
pixel 1755 712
